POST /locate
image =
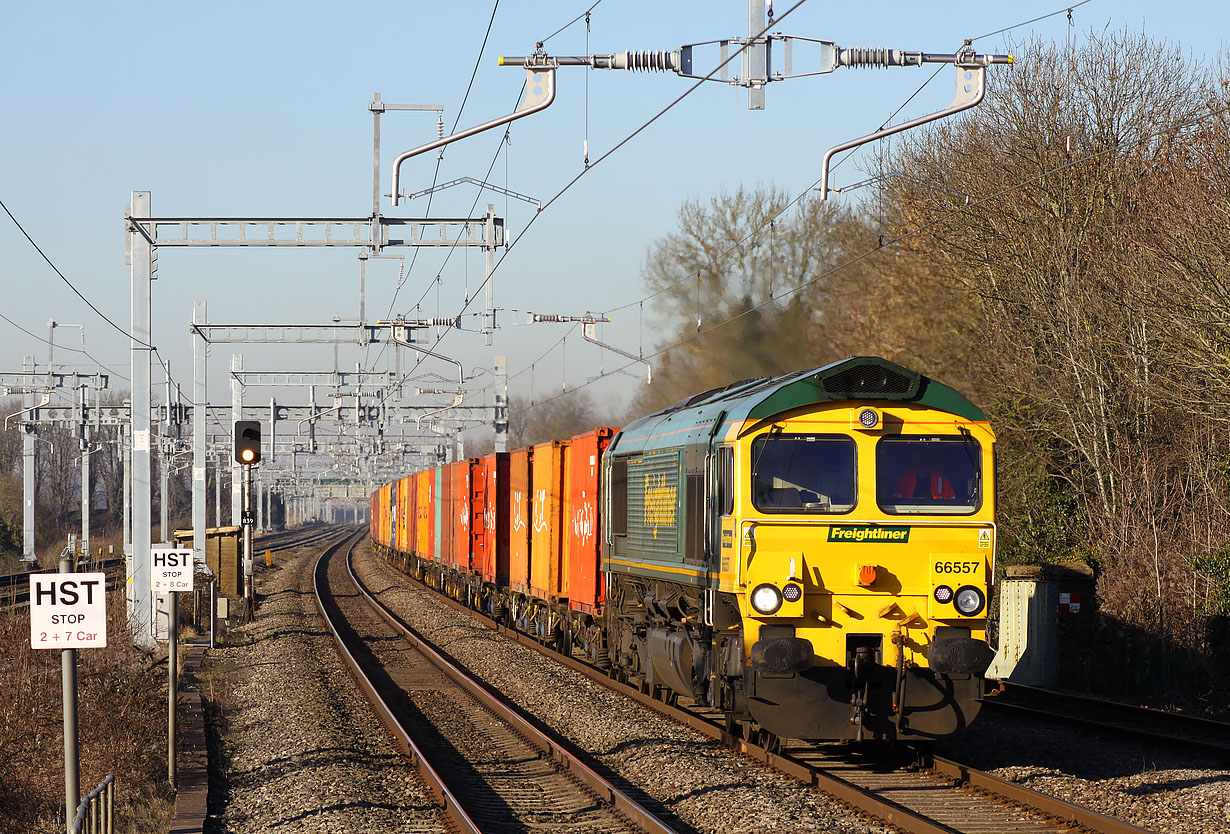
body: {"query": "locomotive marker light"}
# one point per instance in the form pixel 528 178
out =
pixel 867 418
pixel 766 599
pixel 969 600
pixel 943 594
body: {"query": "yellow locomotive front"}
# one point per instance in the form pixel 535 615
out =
pixel 858 537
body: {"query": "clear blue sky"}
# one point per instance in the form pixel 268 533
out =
pixel 260 109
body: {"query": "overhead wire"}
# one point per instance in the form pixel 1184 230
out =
pixel 440 157
pixel 571 22
pixel 619 145
pixel 773 217
pixel 964 208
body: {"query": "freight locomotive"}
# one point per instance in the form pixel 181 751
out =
pixel 810 554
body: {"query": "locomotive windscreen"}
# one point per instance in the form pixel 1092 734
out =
pixel 928 474
pixel 803 473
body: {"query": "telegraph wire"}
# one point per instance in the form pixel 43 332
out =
pixel 57 271
pixel 82 351
pixel 440 157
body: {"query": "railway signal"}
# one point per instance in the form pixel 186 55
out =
pixel 247 441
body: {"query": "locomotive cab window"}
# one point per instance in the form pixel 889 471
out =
pixel 934 475
pixel 803 473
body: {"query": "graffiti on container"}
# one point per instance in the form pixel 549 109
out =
pixel 540 510
pixel 465 515
pixel 583 522
pixel 518 511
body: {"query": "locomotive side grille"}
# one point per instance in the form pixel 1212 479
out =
pixel 653 503
pixel 870 380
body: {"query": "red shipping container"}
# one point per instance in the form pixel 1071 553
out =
pixel 478 506
pixel 494 564
pixel 585 584
pixel 548 578
pixel 459 557
pixel 519 498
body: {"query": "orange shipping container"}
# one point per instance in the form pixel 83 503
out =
pixel 404 503
pixel 519 498
pixel 585 587
pixel 423 527
pixel 548 578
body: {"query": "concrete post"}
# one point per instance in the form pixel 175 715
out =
pixel 200 403
pixel 28 463
pixel 142 277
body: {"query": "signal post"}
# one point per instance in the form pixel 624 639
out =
pixel 247 454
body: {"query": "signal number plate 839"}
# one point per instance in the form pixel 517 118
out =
pixel 956 568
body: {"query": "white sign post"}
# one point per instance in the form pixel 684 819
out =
pixel 172 571
pixel 68 611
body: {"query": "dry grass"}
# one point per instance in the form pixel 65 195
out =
pixel 122 719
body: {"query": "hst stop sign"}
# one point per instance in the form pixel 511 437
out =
pixel 172 569
pixel 68 610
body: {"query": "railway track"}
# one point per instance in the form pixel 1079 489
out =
pixel 490 768
pixel 920 793
pixel 1125 719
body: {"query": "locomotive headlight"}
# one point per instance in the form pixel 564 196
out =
pixel 969 600
pixel 765 598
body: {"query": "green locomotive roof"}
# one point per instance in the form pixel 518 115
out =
pixel 863 378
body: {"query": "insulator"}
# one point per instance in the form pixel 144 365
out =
pixel 549 317
pixel 644 61
pixel 869 56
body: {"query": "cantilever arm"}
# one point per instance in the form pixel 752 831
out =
pixel 539 94
pixel 587 332
pixel 971 88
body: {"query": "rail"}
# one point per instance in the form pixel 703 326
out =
pixel 836 781
pixel 1152 725
pixel 96 813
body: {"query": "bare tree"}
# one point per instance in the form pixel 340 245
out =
pixel 745 288
pixel 1066 213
